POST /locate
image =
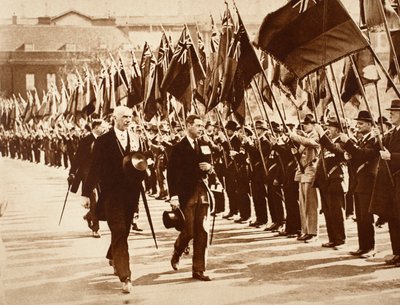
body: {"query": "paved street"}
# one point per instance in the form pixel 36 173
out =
pixel 51 264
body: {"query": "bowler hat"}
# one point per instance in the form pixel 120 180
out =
pixel 364 115
pixel 134 165
pixel 248 131
pixel 261 124
pixel 309 119
pixel 395 105
pixel 174 219
pixel 231 125
pixel 333 121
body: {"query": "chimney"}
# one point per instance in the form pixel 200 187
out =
pixel 14 19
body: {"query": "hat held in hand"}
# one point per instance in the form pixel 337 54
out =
pixel 174 219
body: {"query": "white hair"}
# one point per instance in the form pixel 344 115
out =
pixel 121 110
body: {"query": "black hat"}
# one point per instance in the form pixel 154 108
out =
pixel 333 121
pixel 309 119
pixel 174 219
pixel 385 121
pixel 365 116
pixel 231 125
pixel 248 132
pixel 134 165
pixel 395 105
pixel 275 126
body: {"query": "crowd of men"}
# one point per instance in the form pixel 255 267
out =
pixel 289 172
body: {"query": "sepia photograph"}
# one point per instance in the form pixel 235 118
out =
pixel 227 152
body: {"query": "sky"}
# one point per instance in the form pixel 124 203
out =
pixel 35 8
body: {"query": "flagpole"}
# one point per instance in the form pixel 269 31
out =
pixel 254 84
pixel 313 97
pixel 355 69
pixel 389 37
pixel 333 99
pixel 337 92
pixel 379 105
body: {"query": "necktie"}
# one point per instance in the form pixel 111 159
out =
pixel 196 147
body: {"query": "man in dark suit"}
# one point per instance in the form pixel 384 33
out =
pixel 119 195
pixel 364 161
pixel 188 166
pixel 79 171
pixel 386 195
pixel 332 180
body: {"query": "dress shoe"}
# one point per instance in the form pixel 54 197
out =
pixel 271 227
pixel 200 276
pixel 282 233
pixel 278 227
pixel 393 261
pixel 127 286
pixel 242 220
pixel 339 246
pixel 161 197
pixel 136 228
pixel 96 234
pixel 175 260
pixel 228 216
pixel 363 253
pixel 311 238
pixel 330 244
pixel 302 237
pixel 256 224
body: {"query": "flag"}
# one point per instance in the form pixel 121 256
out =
pixel 121 83
pixel 89 94
pixel 371 14
pixel 241 66
pixel 184 72
pixel 366 67
pixel 157 101
pixel 212 64
pixel 147 66
pixel 304 37
pixel 199 93
pixel 266 90
pixel 27 115
pixel 223 46
pixel 396 43
pixel 135 95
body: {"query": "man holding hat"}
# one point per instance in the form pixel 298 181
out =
pixel 119 196
pixel 364 161
pixel 188 166
pixel 386 194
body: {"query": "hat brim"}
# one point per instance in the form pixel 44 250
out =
pixel 174 219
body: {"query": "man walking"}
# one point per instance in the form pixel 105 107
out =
pixel 187 168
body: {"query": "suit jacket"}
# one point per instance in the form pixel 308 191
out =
pixel 106 170
pixel 183 173
pixel 386 196
pixel 309 150
pixel 364 162
pixel 80 165
pixel 331 170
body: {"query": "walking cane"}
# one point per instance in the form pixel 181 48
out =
pixel 65 202
pixel 146 207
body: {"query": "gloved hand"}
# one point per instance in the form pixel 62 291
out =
pixel 70 179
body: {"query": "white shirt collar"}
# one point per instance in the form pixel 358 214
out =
pixel 191 141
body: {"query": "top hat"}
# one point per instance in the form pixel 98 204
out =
pixel 261 124
pixel 365 116
pixel 134 166
pixel 333 121
pixel 395 105
pixel 174 219
pixel 308 119
pixel 231 125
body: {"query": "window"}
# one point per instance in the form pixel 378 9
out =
pixel 29 47
pixel 70 47
pixel 51 80
pixel 30 81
